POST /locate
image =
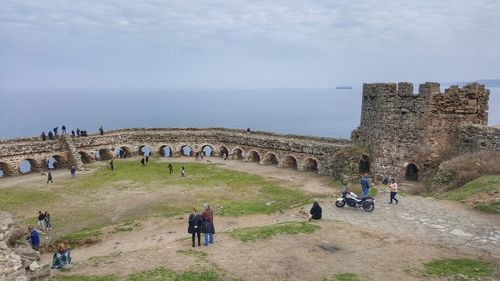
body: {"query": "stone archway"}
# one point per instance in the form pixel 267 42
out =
pixel 207 150
pixel 186 150
pixel 29 165
pixel 165 151
pixel 364 164
pixel 237 154
pixel 289 162
pixel 270 159
pixel 5 170
pixel 253 156
pixel 55 162
pixel 411 172
pixel 145 150
pixel 104 154
pixel 223 151
pixel 125 152
pixel 310 164
pixel 85 157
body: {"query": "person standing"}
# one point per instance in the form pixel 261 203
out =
pixel 111 165
pixel 43 136
pixel 208 224
pixel 170 168
pixel 393 187
pixel 194 226
pixel 73 172
pixel 49 178
pixel 183 172
pixel 48 225
pixel 365 185
pixel 41 220
pixel 63 129
pixel 34 238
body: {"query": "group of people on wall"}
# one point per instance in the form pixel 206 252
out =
pixel 54 133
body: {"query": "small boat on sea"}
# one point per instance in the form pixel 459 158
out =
pixel 343 87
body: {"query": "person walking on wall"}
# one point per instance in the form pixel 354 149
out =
pixel 112 165
pixel 170 168
pixel 63 129
pixel 208 224
pixel 194 226
pixel 365 185
pixel 49 178
pixel 393 187
pixel 43 136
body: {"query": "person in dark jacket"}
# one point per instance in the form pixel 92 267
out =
pixel 315 211
pixel 49 178
pixel 208 224
pixel 194 227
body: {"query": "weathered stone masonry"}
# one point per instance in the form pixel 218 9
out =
pixel 285 151
pixel 411 134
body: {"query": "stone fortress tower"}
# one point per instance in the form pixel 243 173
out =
pixel 411 134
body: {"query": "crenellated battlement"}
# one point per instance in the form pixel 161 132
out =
pixel 404 127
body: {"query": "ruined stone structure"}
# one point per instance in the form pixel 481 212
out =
pixel 285 151
pixel 410 134
pixel 18 262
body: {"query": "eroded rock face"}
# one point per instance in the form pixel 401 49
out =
pixel 15 260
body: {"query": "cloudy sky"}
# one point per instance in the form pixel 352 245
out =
pixel 244 43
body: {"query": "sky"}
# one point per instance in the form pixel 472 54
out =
pixel 112 44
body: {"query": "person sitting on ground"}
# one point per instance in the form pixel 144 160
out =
pixel 315 211
pixel 34 238
pixel 61 257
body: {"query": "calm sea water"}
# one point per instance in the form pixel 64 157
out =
pixel 318 112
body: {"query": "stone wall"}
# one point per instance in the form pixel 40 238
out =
pixel 285 151
pixel 18 262
pixel 404 129
pixel 473 138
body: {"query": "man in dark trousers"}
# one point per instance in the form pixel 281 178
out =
pixel 142 162
pixel 49 178
pixel 170 168
pixel 111 165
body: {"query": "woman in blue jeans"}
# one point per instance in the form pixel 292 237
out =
pixel 208 224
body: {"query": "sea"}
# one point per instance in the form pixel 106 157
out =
pixel 314 112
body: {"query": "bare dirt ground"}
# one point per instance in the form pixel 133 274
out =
pixel 390 243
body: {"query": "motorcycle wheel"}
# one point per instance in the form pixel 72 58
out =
pixel 368 206
pixel 340 204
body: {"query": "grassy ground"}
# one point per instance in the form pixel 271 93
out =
pixel 481 187
pixel 229 192
pixel 264 232
pixel 456 267
pixel 158 274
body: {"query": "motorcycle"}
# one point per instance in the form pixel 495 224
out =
pixel 352 200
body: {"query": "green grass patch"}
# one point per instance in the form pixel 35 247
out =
pixel 348 276
pixel 85 278
pixel 83 236
pixel 492 208
pixel 481 185
pixel 159 274
pixel 126 226
pixel 454 267
pixel 199 254
pixel 264 232
pixel 17 197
